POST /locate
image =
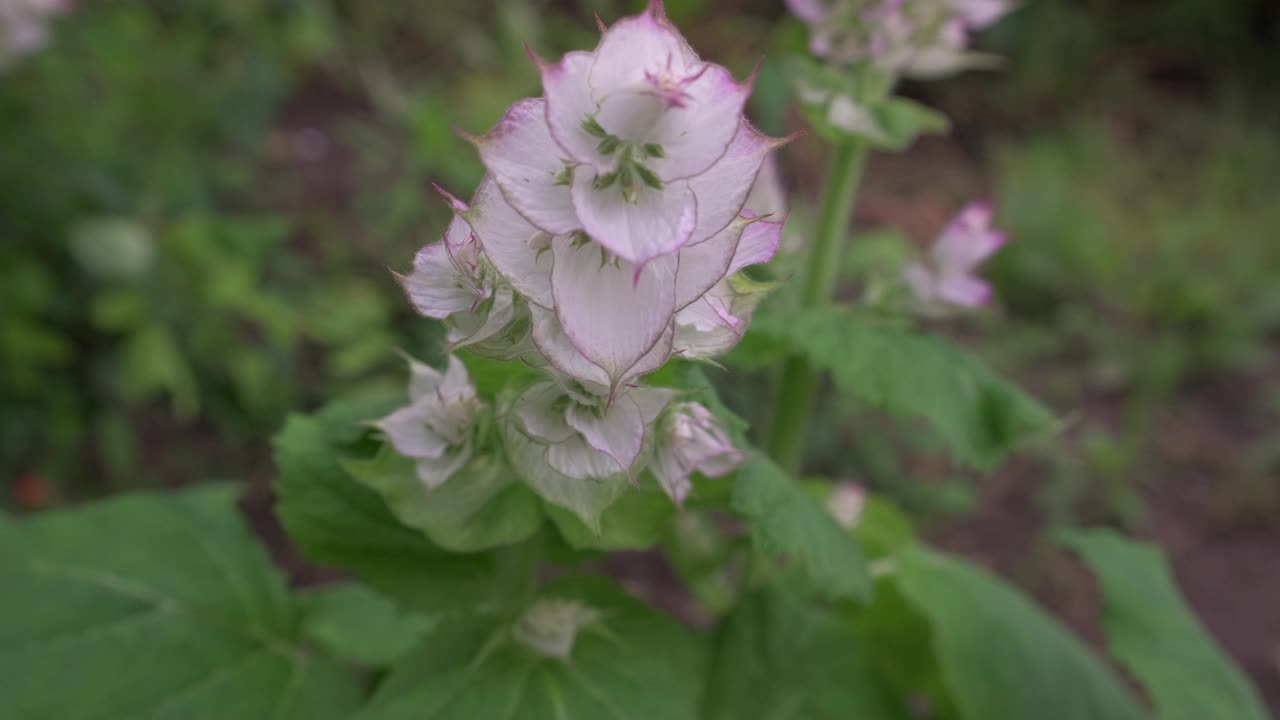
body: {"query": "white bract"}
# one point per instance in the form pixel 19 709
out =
pixel 454 282
pixel 690 439
pixel 919 38
pixel 581 437
pixel 436 429
pixel 947 276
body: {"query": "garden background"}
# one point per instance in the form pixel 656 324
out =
pixel 202 202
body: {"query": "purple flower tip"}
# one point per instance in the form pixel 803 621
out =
pixel 453 202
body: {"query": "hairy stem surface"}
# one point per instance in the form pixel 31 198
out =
pixel 799 382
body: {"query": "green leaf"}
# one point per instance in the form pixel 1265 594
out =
pixel 1003 657
pixel 980 416
pixel 782 659
pixel 638 521
pixel 891 621
pixel 480 507
pixel 356 624
pixel 900 122
pixel 337 521
pixel 787 520
pixel 883 528
pixel 156 607
pixel 708 563
pixel 632 663
pixel 1155 635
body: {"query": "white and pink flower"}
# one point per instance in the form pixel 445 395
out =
pixel 24 26
pixel 436 429
pixel 691 439
pixel 947 276
pixel 616 201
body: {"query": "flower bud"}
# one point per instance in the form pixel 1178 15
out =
pixel 691 439
pixel 550 626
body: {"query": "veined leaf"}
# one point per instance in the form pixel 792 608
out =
pixel 1000 655
pixel 631 663
pixel 787 520
pixel 1154 634
pixel 337 521
pixel 156 607
pixel 356 624
pixel 980 416
pixel 783 659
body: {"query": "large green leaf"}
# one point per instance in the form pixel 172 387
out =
pixel 787 520
pixel 1003 657
pixel 782 659
pixel 633 663
pixel 337 521
pixel 482 506
pixel 354 623
pixel 1151 630
pixel 155 607
pixel 980 416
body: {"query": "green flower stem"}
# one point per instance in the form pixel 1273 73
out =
pixel 517 568
pixel 799 383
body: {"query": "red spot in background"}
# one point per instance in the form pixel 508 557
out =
pixel 31 492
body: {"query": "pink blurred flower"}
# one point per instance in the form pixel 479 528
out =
pixel 948 275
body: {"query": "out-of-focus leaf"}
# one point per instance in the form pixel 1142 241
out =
pixel 1000 655
pixel 356 624
pixel 980 416
pixel 157 607
pixel 1152 631
pixel 787 520
pixel 780 658
pixel 337 521
pixel 631 663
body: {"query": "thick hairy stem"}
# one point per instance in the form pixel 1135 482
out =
pixel 799 382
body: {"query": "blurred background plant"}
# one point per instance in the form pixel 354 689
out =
pixel 199 202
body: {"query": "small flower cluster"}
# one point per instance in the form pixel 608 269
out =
pixel 917 38
pixel 607 238
pixel 24 26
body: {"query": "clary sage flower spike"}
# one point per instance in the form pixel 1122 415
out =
pixel 609 235
pixel 614 204
pixel 918 38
